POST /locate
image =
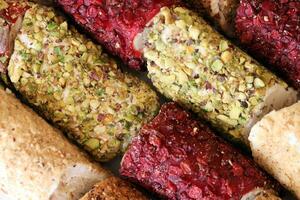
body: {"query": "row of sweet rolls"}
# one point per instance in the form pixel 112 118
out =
pixel 73 84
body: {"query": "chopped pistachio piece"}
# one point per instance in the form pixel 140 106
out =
pixel 92 143
pixel 3 59
pixel 217 65
pixel 258 83
pixel 78 87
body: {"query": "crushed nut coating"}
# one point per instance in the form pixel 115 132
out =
pixel 76 86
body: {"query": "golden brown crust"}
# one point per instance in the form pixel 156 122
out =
pixel 113 189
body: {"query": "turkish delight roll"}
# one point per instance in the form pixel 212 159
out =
pixel 179 158
pixel 76 86
pixel 192 64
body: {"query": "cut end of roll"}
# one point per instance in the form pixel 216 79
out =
pixel 276 97
pixel 75 182
pixel 275 145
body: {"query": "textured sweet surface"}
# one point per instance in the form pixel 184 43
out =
pixel 270 29
pixel 193 65
pixel 275 144
pixel 36 158
pixel 115 23
pixel 113 189
pixel 179 158
pixel 76 86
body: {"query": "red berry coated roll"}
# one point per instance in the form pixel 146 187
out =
pixel 270 29
pixel 115 23
pixel 179 158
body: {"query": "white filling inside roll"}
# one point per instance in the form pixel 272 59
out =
pixel 275 145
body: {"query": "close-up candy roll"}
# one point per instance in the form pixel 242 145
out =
pixel 192 64
pixel 70 81
pixel 76 86
pixel 38 163
pixel 195 66
pixel 179 158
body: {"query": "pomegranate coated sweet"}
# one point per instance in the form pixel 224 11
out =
pixel 270 29
pixel 179 158
pixel 115 23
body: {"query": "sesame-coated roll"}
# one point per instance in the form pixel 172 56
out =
pixel 192 64
pixel 76 86
pixel 179 158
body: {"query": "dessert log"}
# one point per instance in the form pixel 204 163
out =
pixel 179 158
pixel 74 84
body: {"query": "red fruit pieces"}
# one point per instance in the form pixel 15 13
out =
pixel 270 29
pixel 115 23
pixel 179 158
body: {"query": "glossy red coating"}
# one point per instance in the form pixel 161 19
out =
pixel 270 29
pixel 179 158
pixel 115 23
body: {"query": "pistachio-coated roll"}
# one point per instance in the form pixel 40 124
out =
pixel 192 64
pixel 76 86
pixel 179 158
